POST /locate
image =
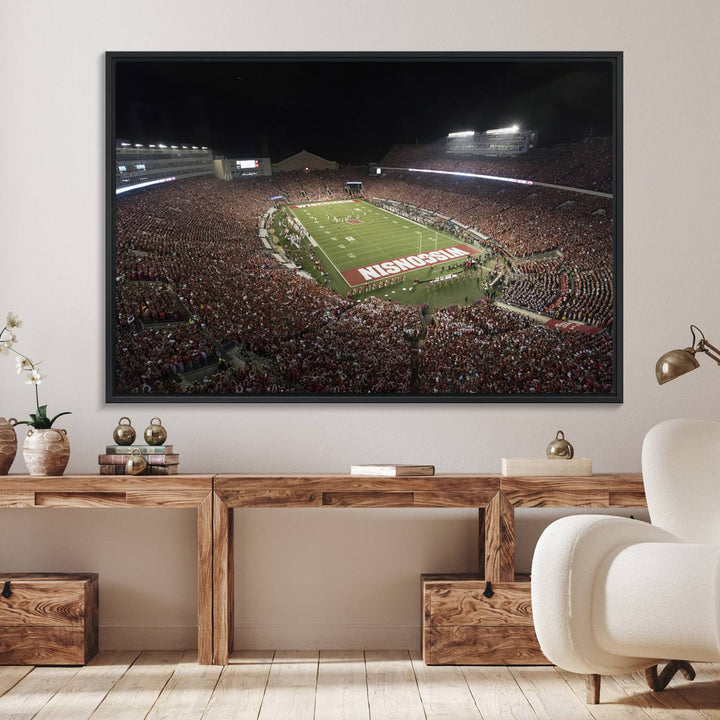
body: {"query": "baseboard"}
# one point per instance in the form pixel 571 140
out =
pixel 327 637
pixel 148 637
pixel 265 636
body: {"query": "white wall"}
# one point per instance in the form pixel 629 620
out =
pixel 331 578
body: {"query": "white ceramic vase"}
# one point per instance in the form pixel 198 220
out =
pixel 46 451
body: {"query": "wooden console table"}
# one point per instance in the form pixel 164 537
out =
pixel 495 497
pixel 215 498
pixel 125 491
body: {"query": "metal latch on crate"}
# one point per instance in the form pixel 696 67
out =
pixel 488 592
pixel 6 592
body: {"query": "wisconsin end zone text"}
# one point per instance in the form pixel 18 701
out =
pixel 358 276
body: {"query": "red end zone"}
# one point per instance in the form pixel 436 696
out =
pixel 409 263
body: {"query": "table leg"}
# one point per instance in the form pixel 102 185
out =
pixel 499 518
pixel 481 541
pixel 205 587
pixel 223 581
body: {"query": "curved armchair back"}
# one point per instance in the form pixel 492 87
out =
pixel 681 471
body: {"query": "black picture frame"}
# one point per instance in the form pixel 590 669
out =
pixel 116 62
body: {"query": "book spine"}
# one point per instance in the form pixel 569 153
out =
pixel 421 471
pixel 144 449
pixel 372 471
pixel 112 469
pixel 162 470
pixel 172 459
pixel 149 470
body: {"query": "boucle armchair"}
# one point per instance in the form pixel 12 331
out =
pixel 614 595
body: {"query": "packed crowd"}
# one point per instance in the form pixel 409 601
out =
pixel 589 300
pixel 151 360
pixel 189 253
pixel 151 302
pixel 538 286
pixel 486 349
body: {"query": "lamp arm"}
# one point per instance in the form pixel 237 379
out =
pixel 710 350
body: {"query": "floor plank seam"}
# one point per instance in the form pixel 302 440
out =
pixel 159 695
pixel 19 680
pixel 367 686
pixel 417 684
pixel 265 687
pixel 317 679
pixel 472 694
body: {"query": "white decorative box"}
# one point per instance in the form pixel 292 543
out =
pixel 547 467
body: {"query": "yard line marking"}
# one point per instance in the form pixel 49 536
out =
pixel 324 253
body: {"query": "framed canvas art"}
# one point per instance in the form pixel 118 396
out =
pixel 364 227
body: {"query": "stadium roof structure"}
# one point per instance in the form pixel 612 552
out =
pixel 304 159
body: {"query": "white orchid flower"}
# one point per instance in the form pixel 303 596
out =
pixel 13 320
pixel 5 346
pixel 23 364
pixel 35 377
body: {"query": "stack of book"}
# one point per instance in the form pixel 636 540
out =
pixel 160 459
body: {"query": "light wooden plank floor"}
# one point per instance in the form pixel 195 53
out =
pixel 345 685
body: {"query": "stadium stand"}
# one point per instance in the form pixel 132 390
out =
pixel 585 165
pixel 135 164
pixel 195 280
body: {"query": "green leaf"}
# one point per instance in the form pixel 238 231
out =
pixel 67 412
pixel 42 411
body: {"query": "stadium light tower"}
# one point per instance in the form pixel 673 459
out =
pixel 503 131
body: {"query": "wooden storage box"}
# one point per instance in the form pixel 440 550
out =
pixel 461 626
pixel 48 618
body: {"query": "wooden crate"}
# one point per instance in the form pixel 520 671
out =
pixel 461 626
pixel 48 618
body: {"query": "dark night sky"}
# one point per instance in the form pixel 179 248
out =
pixel 353 112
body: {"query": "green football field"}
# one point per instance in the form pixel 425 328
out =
pixel 356 234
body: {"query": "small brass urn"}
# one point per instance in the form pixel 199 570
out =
pixel 124 433
pixel 136 463
pixel 560 448
pixel 155 433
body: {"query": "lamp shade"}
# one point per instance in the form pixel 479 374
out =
pixel 675 363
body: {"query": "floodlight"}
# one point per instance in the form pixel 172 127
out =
pixel 503 131
pixel 138 145
pixel 463 133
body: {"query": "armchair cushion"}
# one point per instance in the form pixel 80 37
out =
pixel 659 600
pixel 567 559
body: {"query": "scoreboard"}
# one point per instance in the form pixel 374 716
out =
pixel 236 168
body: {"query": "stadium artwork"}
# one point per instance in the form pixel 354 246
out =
pixel 364 227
